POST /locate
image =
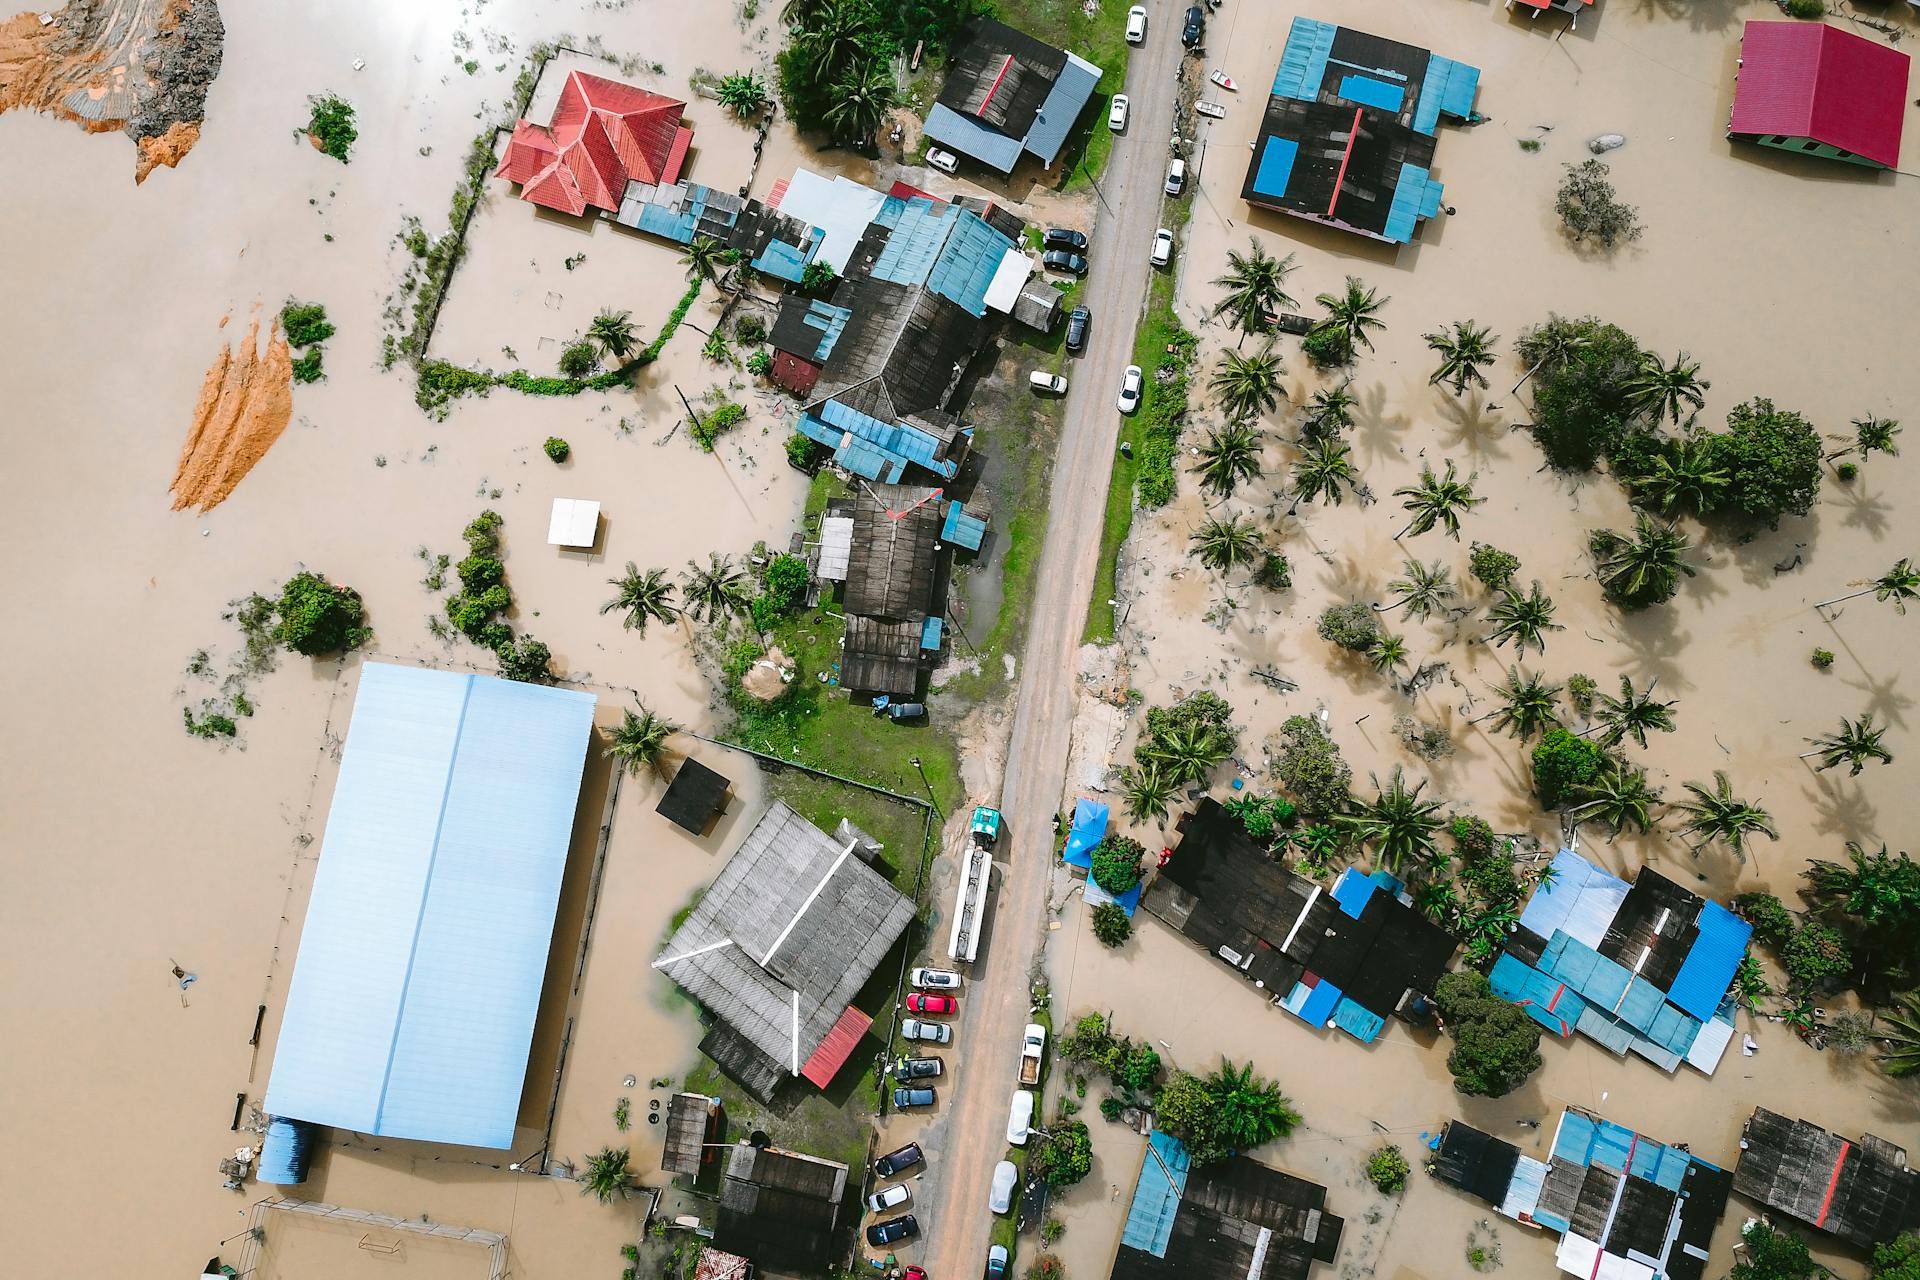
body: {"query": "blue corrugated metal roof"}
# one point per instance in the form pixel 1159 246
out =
pixel 785 261
pixel 1089 829
pixel 1370 91
pixel 831 321
pixel 920 228
pixel 1579 898
pixel 971 138
pixel 1547 1001
pixel 1415 196
pixel 1303 63
pixel 930 632
pixel 967 262
pixel 1708 970
pixel 1065 101
pixel 1448 89
pixel 1163 1180
pixel 1352 890
pixel 963 530
pixel 425 945
pixel 1357 1021
pixel 659 220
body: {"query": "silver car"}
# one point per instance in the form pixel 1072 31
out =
pixel 917 1029
pixel 1130 389
pixel 1005 1175
pixel 936 979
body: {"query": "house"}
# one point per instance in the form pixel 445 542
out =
pixel 1863 1192
pixel 603 135
pixel 1810 88
pixel 1008 95
pixel 1625 1206
pixel 694 1125
pixel 773 243
pixel 893 559
pixel 1235 1218
pixel 778 946
pixel 695 798
pixel 1348 135
pixel 1645 967
pixel 780 1208
pixel 424 950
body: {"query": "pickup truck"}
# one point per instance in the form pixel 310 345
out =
pixel 1032 1049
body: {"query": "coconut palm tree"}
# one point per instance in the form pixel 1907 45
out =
pixel 1147 792
pixel 832 38
pixel 1685 476
pixel 1247 385
pixel 1436 501
pixel 1325 465
pixel 743 93
pixel 1222 544
pixel 1486 929
pixel 1250 1111
pixel 607 1177
pixel 1900 1035
pixel 1397 822
pixel 1529 704
pixel 1620 797
pixel 1386 652
pixel 1644 569
pixel 637 742
pixel 1439 901
pixel 647 597
pixel 1552 346
pixel 861 100
pixel 613 333
pixel 714 591
pixel 1424 588
pixel 1898 584
pixel 1855 744
pixel 1718 815
pixel 1329 412
pixel 1351 314
pixel 1522 619
pixel 1230 455
pixel 1186 752
pixel 1462 353
pixel 1659 390
pixel 702 257
pixel 1871 435
pixel 1632 714
pixel 1256 285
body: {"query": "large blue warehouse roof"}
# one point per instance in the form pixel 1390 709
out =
pixel 412 1004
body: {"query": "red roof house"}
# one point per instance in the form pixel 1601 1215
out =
pixel 1811 88
pixel 604 134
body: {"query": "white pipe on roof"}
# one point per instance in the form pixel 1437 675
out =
pixel 664 961
pixel 796 1029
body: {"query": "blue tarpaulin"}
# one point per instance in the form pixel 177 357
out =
pixel 1163 1180
pixel 1366 91
pixel 1312 1000
pixel 1127 902
pixel 1708 970
pixel 1089 829
pixel 1276 167
pixel 1352 890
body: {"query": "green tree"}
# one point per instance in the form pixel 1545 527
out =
pixel 1307 763
pixel 1436 501
pixel 1422 588
pixel 1719 815
pixel 1564 766
pixel 644 597
pixel 1816 956
pixel 1686 476
pixel 1229 456
pixel 817 277
pixel 1897 1259
pixel 613 334
pixel 1772 457
pixel 1529 704
pixel 1554 344
pixel 1522 619
pixel 1463 351
pixel 1247 386
pixel 1855 744
pixel 1186 751
pixel 1185 1107
pixel 1581 404
pixel 1352 313
pixel 1066 1155
pixel 1111 925
pixel 714 591
pixel 862 98
pixel 1496 1045
pixel 1251 1111
pixel 1774 1255
pixel 1222 545
pixel 1659 389
pixel 1900 1036
pixel 1386 652
pixel 786 582
pixel 1495 568
pixel 1772 923
pixel 1590 209
pixel 1255 284
pixel 639 740
pixel 1147 791
pixel 1325 465
pixel 1632 714
pixel 1397 823
pixel 1898 584
pixel 1351 626
pixel 317 617
pixel 1142 1069
pixel 1387 1169
pixel 702 257
pixel 524 658
pixel 607 1177
pixel 1876 898
pixel 1620 797
pixel 1439 901
pixel 744 93
pixel 1116 864
pixel 1870 435
pixel 1642 570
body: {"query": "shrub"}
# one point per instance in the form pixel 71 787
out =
pixel 751 330
pixel 1492 566
pixel 1823 658
pixel 1111 925
pixel 1274 573
pixel 805 452
pixel 557 449
pixel 1387 1169
pixel 1581 407
pixel 1898 1259
pixel 525 659
pixel 1472 837
pixel 579 360
pixel 306 368
pixel 1772 923
pixel 760 364
pixel 1205 710
pixel 1066 1156
pixel 1774 1255
pixel 1141 1070
pixel 480 572
pixel 304 323
pixel 1116 864
pixel 1047 1267
pixel 1816 955
pixel 1052 1229
pixel 1351 626
pixel 1772 459
pixel 1806 9
pixel 1563 765
pixel 1307 762
pixel 817 277
pixel 211 724
pixel 1580 691
pixel 787 580
pixel 1090 1040
pixel 1847 471
pixel 725 417
pixel 1327 348
pixel 482 534
pixel 1589 209
pixel 1111 1107
pixel 317 617
pixel 1496 1045
pixel 330 125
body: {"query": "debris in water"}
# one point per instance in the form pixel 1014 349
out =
pixel 1606 142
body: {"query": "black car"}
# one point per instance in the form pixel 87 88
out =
pixel 1079 320
pixel 1196 23
pixel 917 1068
pixel 1065 260
pixel 1062 238
pixel 892 1229
pixel 897 1161
pixel 904 1098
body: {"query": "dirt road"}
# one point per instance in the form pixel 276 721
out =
pixel 955 1211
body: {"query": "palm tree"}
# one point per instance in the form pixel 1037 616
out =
pixel 1247 385
pixel 1462 352
pixel 1632 714
pixel 1437 501
pixel 1329 412
pixel 1898 584
pixel 1620 797
pixel 1871 435
pixel 647 597
pixel 1424 588
pixel 1717 815
pixel 1871 889
pixel 1552 346
pixel 1396 821
pixel 1222 544
pixel 637 742
pixel 702 256
pixel 607 1177
pixel 613 333
pixel 1522 619
pixel 1686 475
pixel 715 591
pixel 1351 313
pixel 1147 791
pixel 1644 569
pixel 832 38
pixel 1901 1036
pixel 1439 901
pixel 743 93
pixel 1186 752
pixel 1256 285
pixel 1230 455
pixel 1322 469
pixel 861 100
pixel 1251 1111
pixel 1487 928
pixel 1386 652
pixel 1529 704
pixel 1855 744
pixel 1661 390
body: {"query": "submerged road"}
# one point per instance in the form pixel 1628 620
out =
pixel 997 1003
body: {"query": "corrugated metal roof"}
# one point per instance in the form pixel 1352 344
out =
pixel 840 208
pixel 1802 79
pixel 843 1037
pixel 1303 62
pixel 1579 898
pixel 971 138
pixel 421 960
pixel 1065 101
pixel 962 528
pixel 1156 1196
pixel 1708 970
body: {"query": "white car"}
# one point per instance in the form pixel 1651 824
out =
pixel 1047 383
pixel 1000 1198
pixel 944 161
pixel 1020 1118
pixel 1130 389
pixel 1117 112
pixel 916 1029
pixel 936 979
pixel 887 1197
pixel 1136 24
pixel 1162 247
pixel 1176 176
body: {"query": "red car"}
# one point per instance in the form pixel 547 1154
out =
pixel 915 1273
pixel 921 1002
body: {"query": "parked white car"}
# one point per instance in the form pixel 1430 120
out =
pixel 1005 1176
pixel 1162 247
pixel 1117 112
pixel 1020 1118
pixel 915 1029
pixel 1176 176
pixel 1130 389
pixel 887 1197
pixel 944 161
pixel 1051 384
pixel 1136 24
pixel 936 979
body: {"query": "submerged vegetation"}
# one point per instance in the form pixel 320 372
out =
pixel 330 125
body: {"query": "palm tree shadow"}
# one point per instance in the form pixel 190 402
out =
pixel 1886 703
pixel 1474 433
pixel 1863 510
pixel 1377 434
pixel 1701 15
pixel 1655 644
pixel 1841 808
